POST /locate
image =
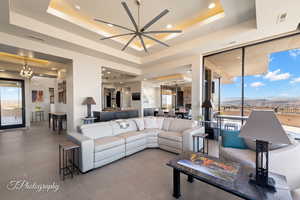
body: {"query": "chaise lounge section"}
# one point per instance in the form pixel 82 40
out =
pixel 105 142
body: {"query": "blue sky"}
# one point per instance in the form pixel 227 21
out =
pixel 282 79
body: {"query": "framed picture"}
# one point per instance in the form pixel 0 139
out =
pixel 37 96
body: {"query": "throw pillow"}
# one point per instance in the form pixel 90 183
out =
pixel 231 139
pixel 140 123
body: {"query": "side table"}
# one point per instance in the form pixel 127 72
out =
pixel 68 155
pixel 196 142
pixel 88 120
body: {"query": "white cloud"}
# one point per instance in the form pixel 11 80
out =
pixel 295 80
pixel 276 76
pixel 257 76
pixel 294 52
pixel 271 58
pixel 256 84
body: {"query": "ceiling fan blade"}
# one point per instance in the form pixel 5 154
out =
pixel 116 25
pixel 170 31
pixel 114 36
pixel 130 15
pixel 155 19
pixel 143 43
pixel 128 42
pixel 156 40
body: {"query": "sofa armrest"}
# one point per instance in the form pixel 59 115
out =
pixel 187 138
pixel 86 155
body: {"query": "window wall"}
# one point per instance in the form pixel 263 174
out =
pixel 227 71
pixel 262 76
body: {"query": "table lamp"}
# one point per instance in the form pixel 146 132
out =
pixel 89 101
pixel 263 127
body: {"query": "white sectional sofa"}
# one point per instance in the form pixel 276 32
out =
pixel 105 142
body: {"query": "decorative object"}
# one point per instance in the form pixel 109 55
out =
pixel 51 94
pixel 26 71
pixel 138 31
pixel 62 92
pixel 37 96
pixel 264 127
pixel 89 101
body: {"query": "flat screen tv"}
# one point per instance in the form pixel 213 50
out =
pixel 136 96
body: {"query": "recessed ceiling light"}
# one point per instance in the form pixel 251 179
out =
pixel 103 69
pixel 77 7
pixel 145 79
pixel 121 82
pixel 53 68
pixel 41 74
pixel 110 25
pixel 211 5
pixel 108 72
pixel 169 26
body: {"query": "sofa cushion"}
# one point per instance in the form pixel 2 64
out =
pixel 132 136
pixel 233 140
pixel 167 123
pixel 151 132
pixel 104 143
pixel 153 122
pixel 140 123
pixel 118 129
pixel 97 130
pixel 244 156
pixel 180 125
pixel 175 136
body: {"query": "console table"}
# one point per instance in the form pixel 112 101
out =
pixel 240 187
pixel 58 118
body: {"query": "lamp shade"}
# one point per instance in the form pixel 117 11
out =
pixel 89 101
pixel 263 125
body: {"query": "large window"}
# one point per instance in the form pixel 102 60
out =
pixel 260 76
pixel 227 70
pixel 272 79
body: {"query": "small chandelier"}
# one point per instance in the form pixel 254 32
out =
pixel 26 71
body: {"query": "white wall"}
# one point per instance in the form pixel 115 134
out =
pixel 151 95
pixel 83 80
pixel 42 83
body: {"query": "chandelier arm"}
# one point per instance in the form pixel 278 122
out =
pixel 128 42
pixel 156 40
pixel 143 43
pixel 130 15
pixel 116 25
pixel 155 19
pixel 167 31
pixel 114 36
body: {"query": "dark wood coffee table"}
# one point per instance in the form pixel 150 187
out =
pixel 240 187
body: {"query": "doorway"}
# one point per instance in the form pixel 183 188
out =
pixel 12 103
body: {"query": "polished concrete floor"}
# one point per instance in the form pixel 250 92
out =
pixel 32 155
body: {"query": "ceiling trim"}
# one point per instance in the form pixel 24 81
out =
pixel 51 31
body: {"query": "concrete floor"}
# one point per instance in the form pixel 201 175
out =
pixel 33 155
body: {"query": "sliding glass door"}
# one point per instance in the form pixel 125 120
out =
pixel 12 112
